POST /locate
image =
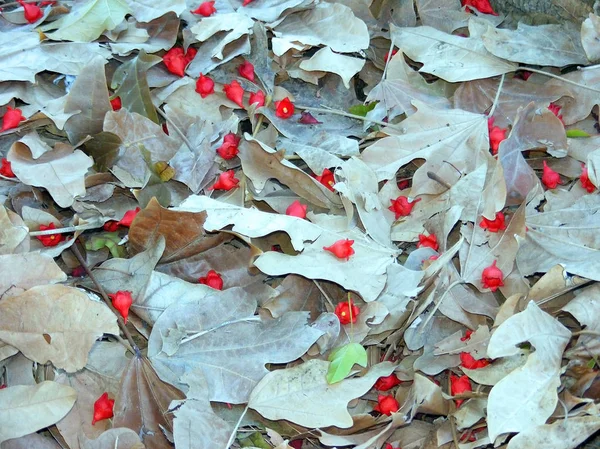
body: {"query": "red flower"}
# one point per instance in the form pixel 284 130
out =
pixel 122 301
pixel 111 226
pixel 229 147
pixel 326 178
pixel 129 217
pixel 205 85
pixel 480 5
pixel 246 70
pixel 491 277
pixel 284 109
pixel 116 103
pixel 226 181
pixel 403 184
pixel 555 109
pixel 469 362
pixel 205 9
pixel 401 207
pixel 32 12
pixel 459 385
pixel 386 405
pixel 176 60
pixel 389 446
pixel 48 2
pixel 52 239
pixel 296 209
pixel 467 336
pixel 585 180
pixel 496 134
pixel 387 55
pixel 11 118
pixel 213 280
pixel 428 241
pixel 258 98
pixel 388 382
pixel 2 387
pixel 495 225
pixel 103 408
pixel 78 272
pixel 247 2
pixel 347 313
pixel 306 118
pixel 342 249
pixel 6 169
pixel 550 178
pixel 235 92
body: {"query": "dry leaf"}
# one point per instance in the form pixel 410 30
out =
pixel 586 309
pixel 326 60
pixel 117 438
pixel 561 434
pixel 31 441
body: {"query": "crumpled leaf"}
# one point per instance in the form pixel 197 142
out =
pixel 343 359
pixel 527 396
pixel 29 408
pixel 61 171
pixel 161 35
pixel 23 271
pixel 302 395
pixel 235 24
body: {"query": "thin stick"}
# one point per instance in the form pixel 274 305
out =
pixel 237 425
pixel 176 128
pixel 551 75
pixel 226 323
pixel 439 303
pixel 324 294
pixel 431 175
pixel 495 103
pixel 134 349
pixel 586 332
pixel 347 114
pixel 64 230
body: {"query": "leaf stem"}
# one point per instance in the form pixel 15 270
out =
pixel 236 427
pixel 551 75
pixel 65 230
pixel 347 114
pixel 495 103
pixel 176 129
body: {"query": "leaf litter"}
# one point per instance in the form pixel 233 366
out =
pixel 334 224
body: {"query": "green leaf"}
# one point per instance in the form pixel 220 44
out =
pixel 576 133
pixel 343 359
pixel 109 240
pixel 133 87
pixel 362 109
pixel 88 20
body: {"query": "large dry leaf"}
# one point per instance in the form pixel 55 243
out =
pixel 183 232
pixel 23 55
pixel 545 45
pixel 147 10
pixel 577 105
pixel 270 10
pixel 162 34
pixel 32 441
pixel 61 171
pixel 586 309
pixel 566 433
pixel 452 58
pixel 330 24
pixel 589 37
pixel 528 395
pixel 117 438
pixel 13 233
pixel 196 426
pixel 567 236
pixel 227 344
pixel 443 15
pixel 29 408
pixel 364 272
pixel 55 323
pixel 23 271
pixel 142 404
pixel 326 60
pixel 302 395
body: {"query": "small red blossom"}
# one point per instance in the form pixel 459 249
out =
pixel 496 135
pixel 386 58
pixel 11 118
pixel 387 382
pixel 103 408
pixel 6 169
pixel 491 277
pixel 389 446
pixel 326 178
pixel 122 301
pixel 404 184
pixel 483 6
pixel 247 2
pixel 550 178
pixel 176 60
pixel 347 313
pixel 555 109
pixel 284 109
pixel 48 2
pixel 129 217
pixel 306 118
pixel 229 147
pixel 257 98
pixel 116 104
pixel 32 13
pixel 78 272
pixel 212 279
pixel 386 405
pixel 495 225
pixel 226 181
pixel 469 362
pixel 52 239
pixel 467 336
pixel 296 444
pixel 342 249
pixel 428 241
pixel 296 209
pixel 205 85
pixel 205 9
pixel 2 387
pixel 246 70
pixel 585 180
pixel 234 92
pixel 111 226
pixel 402 207
pixel 459 385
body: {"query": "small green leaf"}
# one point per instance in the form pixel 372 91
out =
pixel 576 133
pixel 107 240
pixel 362 109
pixel 343 359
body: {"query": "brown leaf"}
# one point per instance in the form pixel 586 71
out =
pixel 142 404
pixel 23 271
pixel 183 232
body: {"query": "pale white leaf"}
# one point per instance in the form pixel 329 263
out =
pixel 326 60
pixel 147 10
pixel 566 433
pixel 23 271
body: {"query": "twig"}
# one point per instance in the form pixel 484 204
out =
pixel 439 303
pixel 134 349
pixel 495 103
pixel 324 294
pixel 237 425
pixel 347 114
pixel 176 129
pixel 431 175
pixel 226 323
pixel 64 230
pixel 586 332
pixel 551 75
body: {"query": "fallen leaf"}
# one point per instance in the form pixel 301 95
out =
pixel 116 438
pixel 343 359
pixel 561 434
pixel 147 10
pixel 327 61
